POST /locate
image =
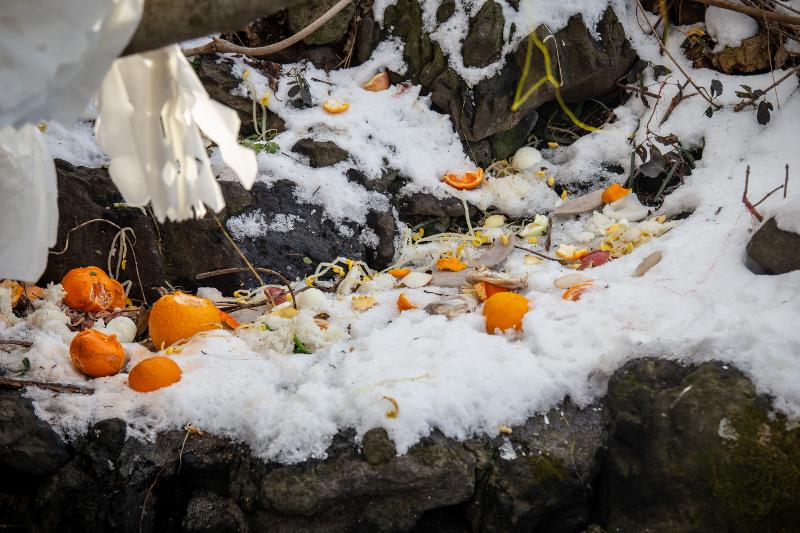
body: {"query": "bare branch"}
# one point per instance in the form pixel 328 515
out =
pixel 172 21
pixel 752 11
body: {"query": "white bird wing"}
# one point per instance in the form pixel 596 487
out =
pixel 28 203
pixel 152 109
pixel 54 54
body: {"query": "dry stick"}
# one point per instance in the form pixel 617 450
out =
pixel 238 250
pixel 744 103
pixel 637 90
pixel 55 387
pixel 538 254
pixel 752 11
pixel 745 201
pixel 770 193
pixel 15 342
pixel 236 270
pixel 786 182
pixel 223 46
pixel 674 62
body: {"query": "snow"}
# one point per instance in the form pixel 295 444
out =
pixel 254 224
pixel 729 28
pixel 699 303
pixel 75 144
pixel 788 215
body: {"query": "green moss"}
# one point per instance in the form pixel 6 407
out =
pixel 756 479
pixel 545 470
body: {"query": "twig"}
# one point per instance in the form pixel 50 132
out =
pixel 752 11
pixel 16 342
pixel 770 193
pixel 55 387
pixel 674 61
pixel 744 103
pixel 786 182
pixel 230 240
pixel 237 270
pixel 745 201
pixel 538 254
pixel 223 46
pixel 637 90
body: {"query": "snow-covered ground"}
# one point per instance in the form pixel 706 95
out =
pixel 699 303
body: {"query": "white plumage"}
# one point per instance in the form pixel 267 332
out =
pixel 53 56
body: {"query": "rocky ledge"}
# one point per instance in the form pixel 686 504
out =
pixel 671 448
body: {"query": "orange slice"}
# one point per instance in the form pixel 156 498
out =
pixel 404 304
pixel 464 181
pixel 335 106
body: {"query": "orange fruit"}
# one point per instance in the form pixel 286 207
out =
pixel 614 192
pixel 15 288
pixel 89 289
pixel 379 82
pixel 505 310
pixel 485 290
pixel 335 106
pixel 96 354
pixel 404 304
pixel 574 293
pixel 400 273
pixel 464 181
pixel 154 373
pixel 450 263
pixel 228 321
pixel 178 316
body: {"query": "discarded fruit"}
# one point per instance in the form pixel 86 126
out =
pixel 335 106
pixel 154 373
pixel 179 316
pixel 567 252
pixel 464 181
pixel 526 158
pixel 96 354
pixel 415 280
pixel 362 303
pixel 485 290
pixel 89 289
pixel 228 322
pixel 574 293
pixel 494 221
pixel 123 327
pixel 614 192
pixel 312 299
pixel 594 259
pixel 505 310
pixel 379 82
pixel 570 280
pixel 452 264
pixel 404 304
pixel 15 288
pixel 400 273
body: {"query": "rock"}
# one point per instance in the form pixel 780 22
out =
pixel 210 513
pixel 389 180
pixel 541 476
pixel 320 153
pixel 589 69
pixel 215 73
pixel 302 15
pixel 377 447
pixel 694 448
pixel 681 12
pixel 28 446
pixel 426 205
pixel 177 252
pixel 772 250
pixel 484 41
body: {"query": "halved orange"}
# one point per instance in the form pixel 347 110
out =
pixel 335 106
pixel 464 181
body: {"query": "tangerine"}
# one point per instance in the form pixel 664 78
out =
pixel 89 289
pixel 96 354
pixel 154 373
pixel 464 181
pixel 614 192
pixel 505 310
pixel 179 316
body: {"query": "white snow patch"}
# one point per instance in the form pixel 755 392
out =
pixel 729 28
pixel 254 224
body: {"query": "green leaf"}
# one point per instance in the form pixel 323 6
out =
pixel 299 347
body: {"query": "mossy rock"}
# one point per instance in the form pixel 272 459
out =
pixel 304 14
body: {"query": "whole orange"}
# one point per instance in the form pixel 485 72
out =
pixel 154 373
pixel 96 354
pixel 89 289
pixel 178 316
pixel 505 310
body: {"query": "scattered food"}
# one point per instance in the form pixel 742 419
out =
pixel 526 158
pixel 570 253
pixel 89 289
pixel 179 316
pixel 570 280
pixel 614 192
pixel 647 263
pixel 123 327
pixel 574 292
pixel 594 259
pixel 404 304
pixel 154 373
pixel 379 82
pixel 96 354
pixel 416 280
pixel 504 311
pixel 466 180
pixel 335 107
pixel 362 303
pixel 485 290
pixel 451 264
pixel 400 273
pixel 581 204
